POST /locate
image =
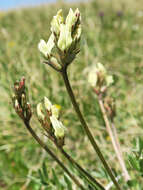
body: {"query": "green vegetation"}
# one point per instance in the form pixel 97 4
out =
pixel 112 35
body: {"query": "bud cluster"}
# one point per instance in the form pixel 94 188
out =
pixel 19 99
pixel 98 78
pixel 65 37
pixel 48 116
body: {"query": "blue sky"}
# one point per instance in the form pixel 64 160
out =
pixel 8 4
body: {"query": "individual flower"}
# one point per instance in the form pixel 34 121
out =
pixel 97 76
pixel 65 39
pixel 56 21
pixel 59 129
pixel 92 77
pixel 47 103
pixel 54 109
pixel 71 19
pixel 94 73
pixel 100 68
pixel 46 48
pixel 78 33
pixel 16 104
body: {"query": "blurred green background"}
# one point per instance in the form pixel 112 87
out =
pixel 113 35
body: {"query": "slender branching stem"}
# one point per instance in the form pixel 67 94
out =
pixel 44 146
pixel 86 128
pixel 126 174
pixel 84 172
pixel 114 140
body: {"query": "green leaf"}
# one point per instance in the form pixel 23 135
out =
pixel 134 162
pixel 43 180
pixel 45 173
pixel 56 180
pixel 68 182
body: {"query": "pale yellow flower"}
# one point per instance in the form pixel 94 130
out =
pixel 65 39
pixel 47 103
pixel 71 19
pixel 59 129
pixel 56 21
pixel 109 80
pixel 55 109
pixel 99 73
pixel 46 48
pixel 100 68
pixel 92 77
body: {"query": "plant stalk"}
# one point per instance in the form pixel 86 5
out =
pixel 71 160
pixel 114 139
pixel 86 128
pixel 44 146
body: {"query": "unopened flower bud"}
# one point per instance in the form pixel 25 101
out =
pixel 13 97
pixel 23 100
pixel 40 111
pixel 16 87
pixel 22 82
pixel 16 104
pixel 71 19
pixel 55 63
pixel 77 13
pixel 28 111
pixel 78 33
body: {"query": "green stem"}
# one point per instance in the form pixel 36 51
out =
pixel 86 128
pixel 44 146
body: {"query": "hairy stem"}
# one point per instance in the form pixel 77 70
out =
pixel 44 146
pixel 86 128
pixel 114 139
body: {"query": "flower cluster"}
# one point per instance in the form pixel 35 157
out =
pixel 98 77
pixel 65 37
pixel 20 103
pixel 48 115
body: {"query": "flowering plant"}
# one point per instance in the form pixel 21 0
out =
pixel 59 52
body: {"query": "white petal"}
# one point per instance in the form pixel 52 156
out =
pixel 47 103
pixel 39 111
pixel 58 127
pixel 42 46
pixel 55 111
pixel 109 80
pixel 50 43
pixel 92 78
pixel 101 68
